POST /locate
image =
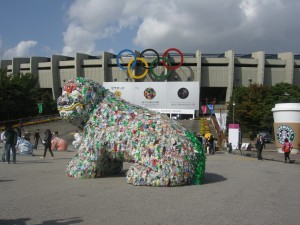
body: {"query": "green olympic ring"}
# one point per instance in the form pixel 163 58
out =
pixel 157 76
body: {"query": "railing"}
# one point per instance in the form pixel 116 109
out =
pixel 220 135
pixel 29 120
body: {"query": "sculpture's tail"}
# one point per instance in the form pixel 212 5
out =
pixel 199 160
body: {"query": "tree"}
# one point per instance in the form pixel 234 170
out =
pixel 19 95
pixel 249 105
pixel 253 104
pixel 279 93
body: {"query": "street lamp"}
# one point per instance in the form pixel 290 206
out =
pixel 233 104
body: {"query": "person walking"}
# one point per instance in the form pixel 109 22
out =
pixel 286 148
pixel 11 138
pixel 211 141
pixel 260 144
pixel 211 144
pixel 20 128
pixel 203 142
pixel 36 138
pixel 47 143
pixel 3 144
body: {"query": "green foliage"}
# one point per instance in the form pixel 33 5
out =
pixel 49 105
pixel 253 104
pixel 19 95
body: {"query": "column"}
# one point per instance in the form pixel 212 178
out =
pixel 289 66
pixel 230 74
pixel 260 56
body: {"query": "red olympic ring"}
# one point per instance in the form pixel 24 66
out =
pixel 173 67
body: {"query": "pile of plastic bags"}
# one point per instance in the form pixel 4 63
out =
pixel 59 144
pixel 78 139
pixel 24 147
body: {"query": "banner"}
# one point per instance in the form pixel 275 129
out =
pixel 204 109
pixel 40 106
pixel 221 118
pixel 158 95
pixel 211 108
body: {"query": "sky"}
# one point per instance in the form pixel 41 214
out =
pixel 65 27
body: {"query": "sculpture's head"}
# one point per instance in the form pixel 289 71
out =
pixel 80 96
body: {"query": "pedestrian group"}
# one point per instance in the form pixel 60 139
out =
pixel 9 138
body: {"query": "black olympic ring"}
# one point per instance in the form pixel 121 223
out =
pixel 156 60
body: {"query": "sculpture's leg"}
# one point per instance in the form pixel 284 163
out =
pixel 142 175
pixel 81 167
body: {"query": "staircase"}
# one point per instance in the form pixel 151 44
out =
pixel 205 125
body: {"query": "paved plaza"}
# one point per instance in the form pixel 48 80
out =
pixel 237 190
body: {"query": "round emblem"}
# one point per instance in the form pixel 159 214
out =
pixel 283 132
pixel 183 93
pixel 118 93
pixel 149 93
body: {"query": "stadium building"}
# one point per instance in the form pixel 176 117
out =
pixel 216 74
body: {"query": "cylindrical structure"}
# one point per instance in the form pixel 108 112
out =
pixel 287 125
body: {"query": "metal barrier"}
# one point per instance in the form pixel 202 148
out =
pixel 29 121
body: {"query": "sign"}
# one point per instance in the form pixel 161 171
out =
pixel 40 106
pixel 234 135
pixel 158 96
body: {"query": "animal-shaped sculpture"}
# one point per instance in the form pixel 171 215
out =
pixel 162 152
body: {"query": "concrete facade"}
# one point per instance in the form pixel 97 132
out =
pixel 217 74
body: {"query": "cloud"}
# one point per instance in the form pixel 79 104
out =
pixel 211 26
pixel 90 21
pixel 22 49
pixel 80 39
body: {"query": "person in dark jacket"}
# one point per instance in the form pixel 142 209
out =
pixel 20 128
pixel 47 143
pixel 260 144
pixel 211 141
pixel 36 138
pixel 11 138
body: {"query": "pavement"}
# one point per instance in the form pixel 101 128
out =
pixel 237 189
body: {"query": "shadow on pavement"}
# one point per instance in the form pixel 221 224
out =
pixel 31 162
pixel 22 221
pixel 5 181
pixel 213 178
pixel 62 221
pixel 277 160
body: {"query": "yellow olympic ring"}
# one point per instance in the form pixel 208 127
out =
pixel 140 76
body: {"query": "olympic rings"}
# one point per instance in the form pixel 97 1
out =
pixel 135 61
pixel 129 66
pixel 134 56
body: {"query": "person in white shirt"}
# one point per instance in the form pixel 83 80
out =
pixel 2 140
